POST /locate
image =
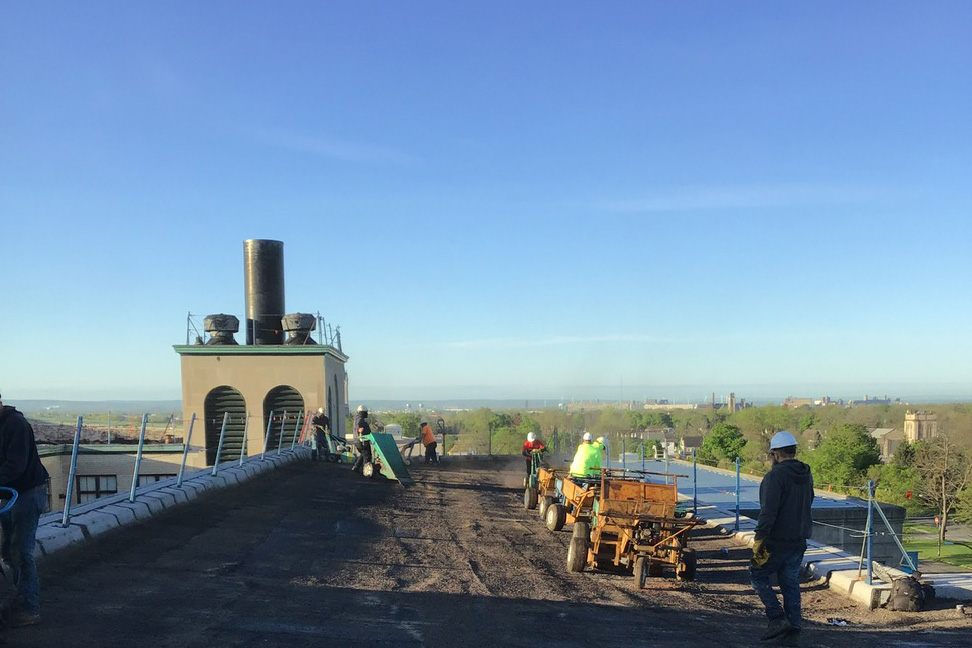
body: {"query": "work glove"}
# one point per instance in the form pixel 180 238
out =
pixel 761 554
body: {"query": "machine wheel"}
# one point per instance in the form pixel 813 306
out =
pixel 655 569
pixel 555 517
pixel 685 570
pixel 529 498
pixel 526 481
pixel 582 530
pixel 545 503
pixel 640 572
pixel 368 470
pixel 577 554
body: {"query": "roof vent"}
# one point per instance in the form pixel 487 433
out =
pixel 221 328
pixel 298 326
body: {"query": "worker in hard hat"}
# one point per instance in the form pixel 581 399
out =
pixel 780 540
pixel 322 425
pixel 428 440
pixel 587 459
pixel 361 428
pixel 531 445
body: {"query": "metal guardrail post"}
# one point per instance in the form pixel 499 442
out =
pixel 624 460
pixel 904 554
pixel 74 468
pixel 246 427
pixel 138 458
pixel 868 530
pixel 266 440
pixel 185 451
pixel 219 446
pixel 283 421
pixel 736 528
pixel 695 483
pixel 293 442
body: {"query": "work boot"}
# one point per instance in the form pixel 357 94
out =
pixel 776 628
pixel 791 639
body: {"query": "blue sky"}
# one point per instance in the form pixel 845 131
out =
pixel 496 200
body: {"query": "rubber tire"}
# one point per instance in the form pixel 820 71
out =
pixel 529 498
pixel 640 572
pixel 556 517
pixel 577 554
pixel 687 565
pixel 545 503
pixel 581 530
pixel 526 481
pixel 368 470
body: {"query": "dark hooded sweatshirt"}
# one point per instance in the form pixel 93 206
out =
pixel 20 467
pixel 785 495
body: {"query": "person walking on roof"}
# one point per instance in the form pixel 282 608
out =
pixel 782 529
pixel 21 470
pixel 321 426
pixel 531 445
pixel 587 459
pixel 428 440
pixel 361 428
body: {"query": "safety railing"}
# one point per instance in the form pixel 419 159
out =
pixel 180 479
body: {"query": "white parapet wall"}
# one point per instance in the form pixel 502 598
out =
pixel 108 513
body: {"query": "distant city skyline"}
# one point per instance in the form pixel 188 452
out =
pixel 498 200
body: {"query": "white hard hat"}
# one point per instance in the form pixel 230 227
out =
pixel 531 437
pixel 601 440
pixel 587 436
pixel 362 408
pixel 782 439
pixel 424 422
pixel 320 410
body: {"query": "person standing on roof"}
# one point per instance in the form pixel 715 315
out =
pixel 21 470
pixel 321 426
pixel 428 440
pixel 587 459
pixel 782 529
pixel 361 428
pixel 531 445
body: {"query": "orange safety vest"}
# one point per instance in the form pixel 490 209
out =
pixel 428 436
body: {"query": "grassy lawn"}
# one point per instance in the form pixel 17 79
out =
pixel 919 528
pixel 927 549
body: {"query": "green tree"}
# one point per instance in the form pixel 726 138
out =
pixel 409 422
pixel 945 470
pixel 843 457
pixel 724 441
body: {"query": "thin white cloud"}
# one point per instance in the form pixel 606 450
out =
pixel 334 149
pixel 703 198
pixel 519 343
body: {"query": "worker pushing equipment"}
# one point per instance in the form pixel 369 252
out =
pixel 587 459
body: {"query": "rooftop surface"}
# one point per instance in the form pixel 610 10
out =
pixel 311 554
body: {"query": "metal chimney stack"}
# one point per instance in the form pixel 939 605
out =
pixel 263 275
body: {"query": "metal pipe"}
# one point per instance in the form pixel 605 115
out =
pixel 219 446
pixel 266 440
pixel 138 458
pixel 293 442
pixel 263 274
pixel 695 483
pixel 870 515
pixel 246 427
pixel 736 528
pixel 904 554
pixel 283 420
pixel 624 460
pixel 185 451
pixel 74 469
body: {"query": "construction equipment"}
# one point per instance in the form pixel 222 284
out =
pixel 567 499
pixel 385 459
pixel 531 483
pixel 635 527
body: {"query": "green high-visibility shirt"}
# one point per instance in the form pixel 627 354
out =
pixel 587 461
